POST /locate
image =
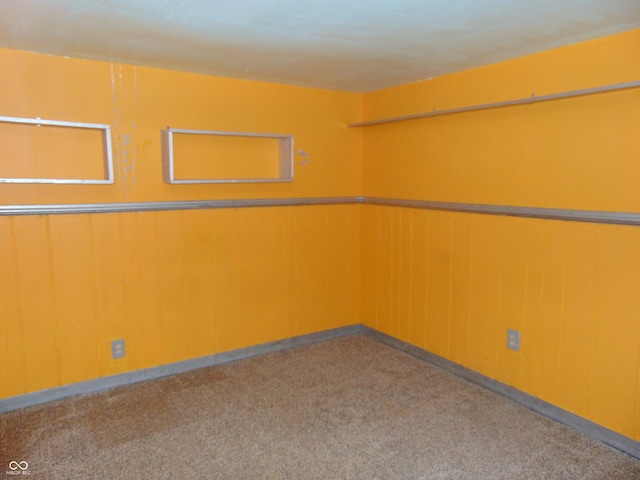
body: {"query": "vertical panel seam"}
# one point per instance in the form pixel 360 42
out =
pixel 236 266
pixel 136 250
pixel 296 274
pixel 450 303
pixel 636 409
pixel 525 303
pixel 265 294
pixel 562 310
pixel 425 340
pixel 470 220
pixel 327 250
pixel 500 356
pixel 161 317
pixel 543 276
pixel 94 292
pixel 54 309
pixel 185 303
pixel 16 273
pixel 594 318
pixel 392 265
pixel 397 229
pixel 212 288
pixel 377 270
pixel 410 332
pixel 472 229
pixel 124 282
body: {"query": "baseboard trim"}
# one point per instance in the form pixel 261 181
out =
pixel 106 383
pixel 604 435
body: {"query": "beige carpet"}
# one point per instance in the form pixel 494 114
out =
pixel 349 408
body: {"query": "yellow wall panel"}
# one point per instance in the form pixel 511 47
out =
pixel 551 312
pixel 176 325
pixel 439 283
pixel 308 253
pixel 146 286
pixel 226 280
pixel 568 287
pixel 533 319
pixel 574 153
pixel 37 302
pixel 197 288
pixel 138 102
pixel 384 298
pixel 254 274
pixel 369 259
pixel 111 282
pixel 563 154
pixel 395 273
pixel 343 275
pixel 616 356
pixel 131 282
pixel 175 285
pixel 484 340
pixel 313 266
pixel 563 285
pixel 404 277
pixel 576 328
pixel 419 279
pixel 12 354
pixel 277 244
pixel 513 290
pixel 636 431
pixel 73 274
pixel 461 268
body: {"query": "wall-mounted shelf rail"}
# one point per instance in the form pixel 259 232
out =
pixel 106 140
pixel 507 103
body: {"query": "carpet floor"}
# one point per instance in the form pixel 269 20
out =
pixel 349 408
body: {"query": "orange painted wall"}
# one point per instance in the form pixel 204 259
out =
pixel 139 102
pixel 453 283
pixel 179 285
pixel 174 284
pixel 577 153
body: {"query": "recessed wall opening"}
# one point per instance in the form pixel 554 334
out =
pixel 48 151
pixel 205 156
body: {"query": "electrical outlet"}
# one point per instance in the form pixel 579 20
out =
pixel 117 349
pixel 513 340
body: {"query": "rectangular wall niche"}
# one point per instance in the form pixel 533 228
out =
pixel 210 156
pixel 33 150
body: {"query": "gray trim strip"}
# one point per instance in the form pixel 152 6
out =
pixel 97 385
pixel 508 103
pixel 604 435
pixel 592 216
pixel 159 206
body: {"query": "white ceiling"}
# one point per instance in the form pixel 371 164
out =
pixel 353 45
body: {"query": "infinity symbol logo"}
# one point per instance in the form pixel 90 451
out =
pixel 13 465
